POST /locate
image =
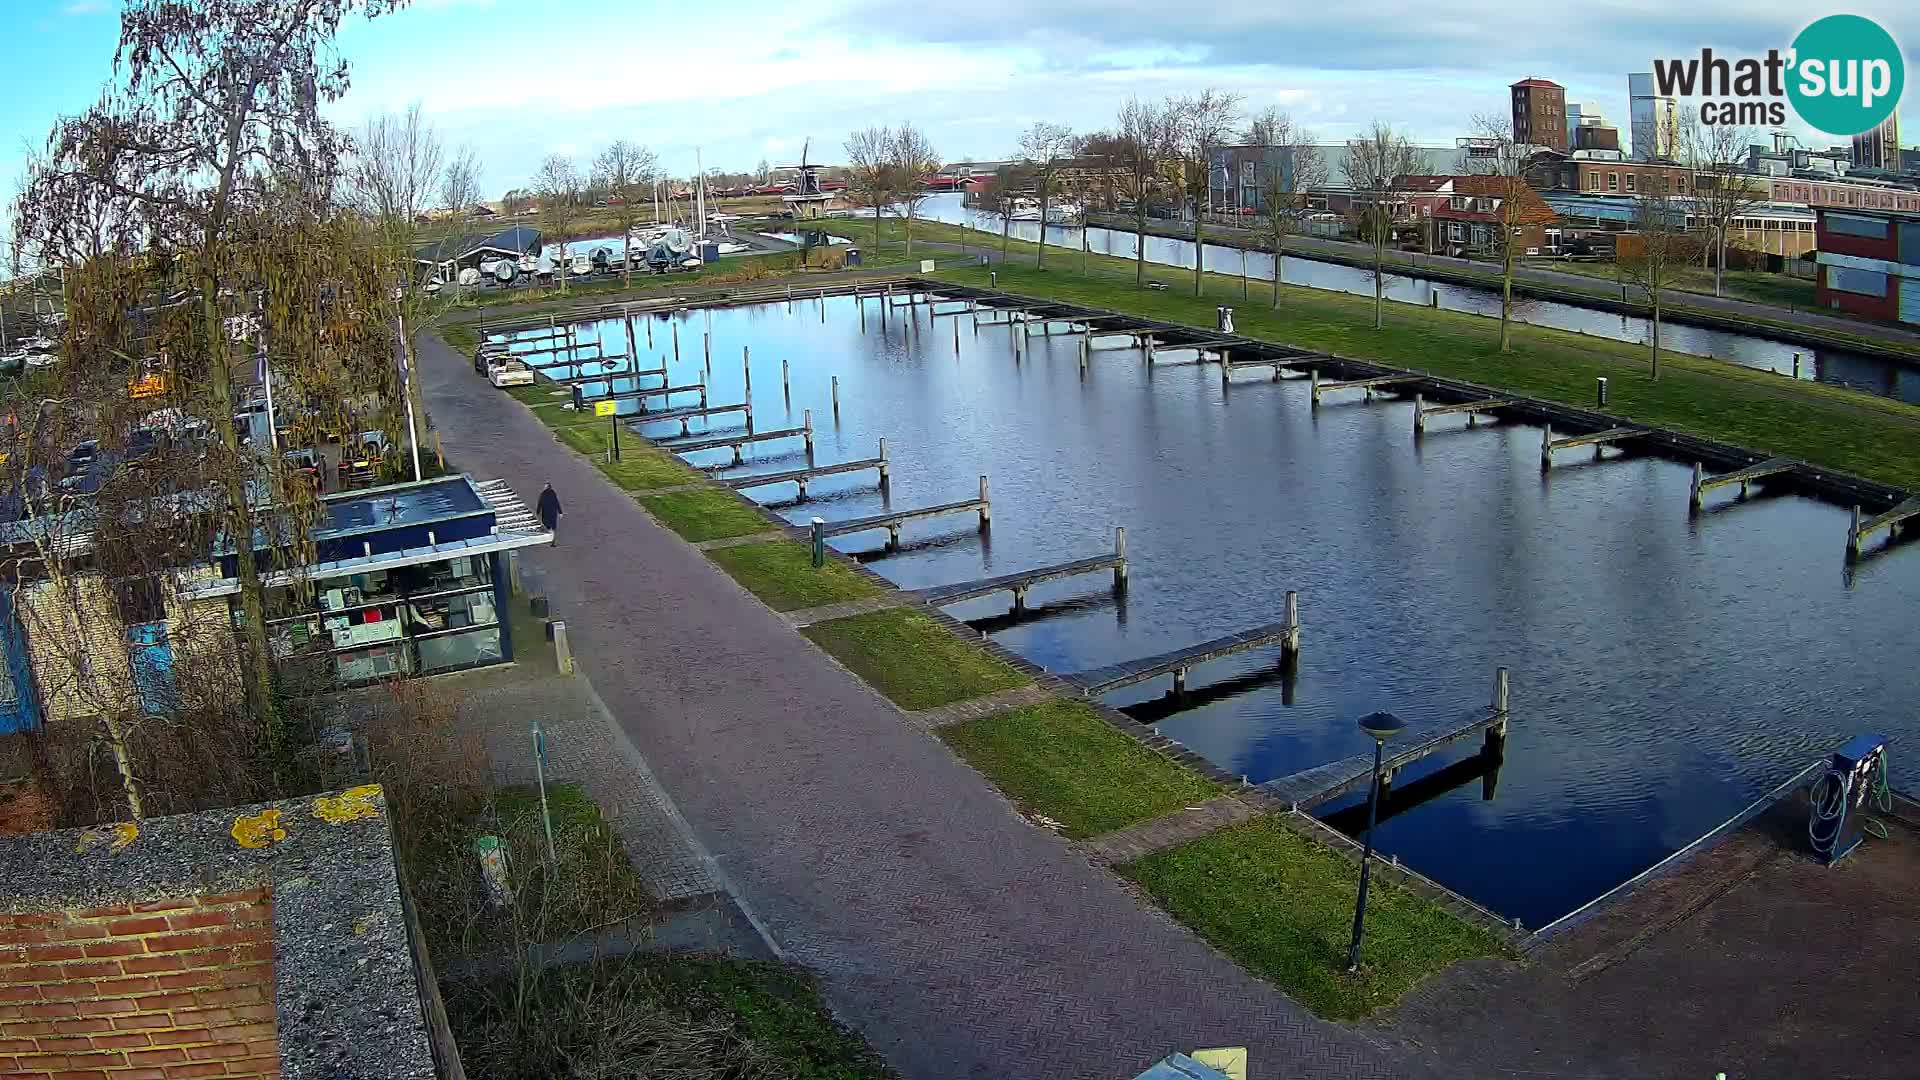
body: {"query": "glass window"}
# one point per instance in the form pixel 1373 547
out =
pixel 1864 282
pixel 446 652
pixel 1630 181
pixel 378 662
pixel 1613 181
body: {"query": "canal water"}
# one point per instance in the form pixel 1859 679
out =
pixel 1667 670
pixel 1869 374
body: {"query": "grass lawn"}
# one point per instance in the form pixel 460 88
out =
pixel 1061 760
pixel 640 468
pixel 1781 290
pixel 1283 907
pixel 781 573
pixel 1842 429
pixel 705 515
pixel 593 877
pixel 912 659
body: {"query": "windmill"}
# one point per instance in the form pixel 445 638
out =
pixel 809 173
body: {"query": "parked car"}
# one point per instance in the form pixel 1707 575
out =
pixel 504 373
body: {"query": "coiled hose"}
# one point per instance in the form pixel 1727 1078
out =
pixel 1834 792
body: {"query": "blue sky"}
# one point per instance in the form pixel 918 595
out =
pixel 518 79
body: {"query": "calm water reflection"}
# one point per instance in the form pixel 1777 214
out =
pixel 1666 670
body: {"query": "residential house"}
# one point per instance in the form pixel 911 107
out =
pixel 1473 213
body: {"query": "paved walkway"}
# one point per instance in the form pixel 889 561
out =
pixel 961 941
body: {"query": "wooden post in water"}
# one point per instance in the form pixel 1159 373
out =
pixel 886 473
pixel 746 366
pixel 1853 534
pixel 1546 448
pixel 1497 734
pixel 649 331
pixel 706 349
pixel 986 507
pixel 633 351
pixel 749 411
pixel 807 422
pixel 1083 358
pixel 1290 643
pixel 1693 494
pixel 786 388
pixel 1419 413
pixel 1149 350
pixel 1314 387
pixel 836 397
pixel 1120 552
pixel 676 341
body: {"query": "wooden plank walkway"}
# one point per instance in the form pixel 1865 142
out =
pixel 1890 521
pixel 1703 483
pixel 687 413
pixel 802 476
pixel 1369 385
pixel 1322 784
pixel 1596 439
pixel 1278 362
pixel 609 376
pixel 1422 410
pixel 740 439
pixel 1102 680
pixel 1020 581
pixel 893 520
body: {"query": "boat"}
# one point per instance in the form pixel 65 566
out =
pixel 529 264
pixel 505 271
pixel 580 265
pixel 510 373
pixel 1025 210
pixel 1063 213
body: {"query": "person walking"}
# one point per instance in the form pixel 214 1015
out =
pixel 549 510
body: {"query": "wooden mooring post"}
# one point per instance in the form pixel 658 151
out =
pixel 986 505
pixel 886 472
pixel 676 341
pixel 1497 731
pixel 1290 640
pixel 1120 553
pixel 746 366
pixel 786 388
pixel 836 397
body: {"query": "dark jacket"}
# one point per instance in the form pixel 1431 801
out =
pixel 549 509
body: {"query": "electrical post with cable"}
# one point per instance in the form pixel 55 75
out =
pixel 1856 779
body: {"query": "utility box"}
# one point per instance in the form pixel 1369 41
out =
pixel 853 256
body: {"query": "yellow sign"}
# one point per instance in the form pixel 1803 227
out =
pixel 147 386
pixel 1231 1060
pixel 603 408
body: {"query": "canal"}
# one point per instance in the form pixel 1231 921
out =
pixel 1666 669
pixel 1840 367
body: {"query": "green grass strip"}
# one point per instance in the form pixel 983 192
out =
pixel 705 515
pixel 1060 760
pixel 640 468
pixel 781 573
pixel 912 659
pixel 1283 907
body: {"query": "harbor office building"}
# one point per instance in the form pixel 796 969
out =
pixel 409 579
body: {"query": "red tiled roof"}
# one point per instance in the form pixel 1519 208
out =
pixel 1539 82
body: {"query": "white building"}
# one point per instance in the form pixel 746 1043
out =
pixel 1655 120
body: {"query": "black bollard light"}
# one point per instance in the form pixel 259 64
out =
pixel 1380 727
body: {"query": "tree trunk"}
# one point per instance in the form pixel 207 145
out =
pixel 1199 252
pixel 123 763
pixel 256 659
pixel 909 231
pixel 1040 258
pixel 1140 242
pixel 876 228
pixel 1279 262
pixel 1506 297
pixel 1653 338
pixel 560 270
pixel 1720 262
pixel 1006 229
pixel 1379 276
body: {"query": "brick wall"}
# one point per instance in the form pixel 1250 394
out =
pixel 150 991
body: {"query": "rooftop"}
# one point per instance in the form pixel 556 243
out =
pixel 271 938
pixel 398 505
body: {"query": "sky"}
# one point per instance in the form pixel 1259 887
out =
pixel 749 80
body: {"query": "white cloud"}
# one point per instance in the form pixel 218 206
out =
pixel 86 7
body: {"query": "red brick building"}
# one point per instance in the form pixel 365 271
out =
pixel 1540 114
pixel 1474 213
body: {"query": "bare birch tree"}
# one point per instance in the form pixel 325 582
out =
pixel 395 170
pixel 1659 250
pixel 1145 144
pixel 1044 148
pixel 1502 161
pixel 1294 167
pixel 1723 190
pixel 870 182
pixel 1206 122
pixel 1375 164
pixel 911 159
pixel 626 170
pixel 558 183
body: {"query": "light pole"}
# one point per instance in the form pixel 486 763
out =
pixel 1380 727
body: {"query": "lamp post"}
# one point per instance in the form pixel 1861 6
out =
pixel 1380 727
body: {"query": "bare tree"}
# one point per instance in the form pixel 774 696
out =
pixel 558 183
pixel 1375 164
pixel 910 158
pixel 1723 190
pixel 1206 122
pixel 460 194
pixel 1294 167
pixel 1044 148
pixel 1658 251
pixel 1145 145
pixel 626 171
pixel 1500 165
pixel 1001 193
pixel 396 166
pixel 871 177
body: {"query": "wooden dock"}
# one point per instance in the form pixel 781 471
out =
pixel 1177 663
pixel 1890 521
pixel 1020 581
pixel 1368 384
pixel 802 476
pixel 740 439
pixel 1596 439
pixel 893 520
pixel 1322 784
pixel 1422 410
pixel 1279 361
pixel 690 412
pixel 1703 483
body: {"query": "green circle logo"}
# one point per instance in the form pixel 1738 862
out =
pixel 1847 74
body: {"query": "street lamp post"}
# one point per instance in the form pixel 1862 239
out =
pixel 1380 727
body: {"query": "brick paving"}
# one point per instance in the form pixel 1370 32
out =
pixel 959 940
pixel 1187 823
pixel 737 541
pixel 842 610
pixel 942 715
